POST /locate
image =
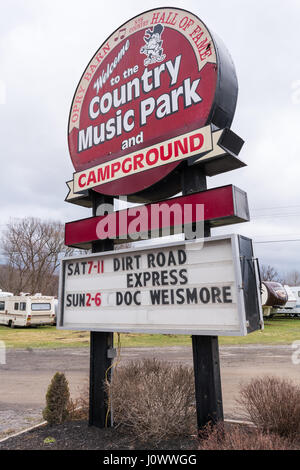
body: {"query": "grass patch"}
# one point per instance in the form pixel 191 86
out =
pixel 279 330
pixel 42 337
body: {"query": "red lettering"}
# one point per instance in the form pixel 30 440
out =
pixel 98 299
pixel 197 38
pixel 80 184
pixel 156 155
pixel 79 94
pixel 194 146
pixel 128 169
pixel 90 263
pixel 93 68
pixel 78 99
pixel 106 48
pixel 162 18
pixel 162 152
pixel 102 53
pixel 182 146
pixel 185 23
pixel 207 53
pixel 202 44
pixel 196 30
pixel 137 161
pixel 75 117
pixel 155 18
pixel 103 174
pixel 87 76
pixel 91 178
pixel 173 21
pixel 114 168
pixel 99 57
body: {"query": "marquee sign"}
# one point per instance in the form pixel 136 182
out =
pixel 196 287
pixel 145 103
pixel 150 118
pixel 217 207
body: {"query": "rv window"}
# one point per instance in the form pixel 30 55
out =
pixel 2 305
pixel 16 307
pixel 41 306
pixel 23 306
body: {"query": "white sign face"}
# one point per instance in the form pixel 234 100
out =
pixel 183 288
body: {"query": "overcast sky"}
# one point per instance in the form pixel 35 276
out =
pixel 44 48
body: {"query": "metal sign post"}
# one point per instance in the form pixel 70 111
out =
pixel 100 343
pixel 206 359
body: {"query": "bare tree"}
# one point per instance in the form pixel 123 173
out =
pixel 8 278
pixel 32 248
pixel 293 278
pixel 269 273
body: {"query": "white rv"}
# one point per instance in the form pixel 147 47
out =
pixel 296 292
pixel 26 310
pixel 5 294
pixel 290 306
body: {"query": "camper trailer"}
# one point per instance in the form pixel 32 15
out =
pixel 26 310
pixel 290 305
pixel 273 296
pixel 296 310
pixel 279 299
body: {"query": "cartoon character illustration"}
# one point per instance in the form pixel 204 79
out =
pixel 152 47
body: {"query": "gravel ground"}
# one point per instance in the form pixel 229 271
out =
pixel 12 421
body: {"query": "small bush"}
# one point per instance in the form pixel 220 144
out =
pixel 153 400
pixel 57 400
pixel 238 438
pixel 273 405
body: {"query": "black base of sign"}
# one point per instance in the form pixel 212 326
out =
pixel 100 370
pixel 208 389
pixel 100 343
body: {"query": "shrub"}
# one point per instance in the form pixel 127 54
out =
pixel 240 438
pixel 273 405
pixel 153 400
pixel 57 400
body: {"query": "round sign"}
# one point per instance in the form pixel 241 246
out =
pixel 159 76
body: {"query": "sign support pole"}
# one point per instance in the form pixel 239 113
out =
pixel 209 404
pixel 100 343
